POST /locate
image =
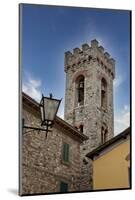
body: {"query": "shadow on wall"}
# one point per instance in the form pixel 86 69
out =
pixel 13 191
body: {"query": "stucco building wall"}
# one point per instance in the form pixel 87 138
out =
pixel 111 169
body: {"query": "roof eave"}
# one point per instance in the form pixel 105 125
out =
pixel 108 143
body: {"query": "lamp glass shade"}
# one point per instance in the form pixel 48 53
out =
pixel 42 110
pixel 50 108
pixel 42 113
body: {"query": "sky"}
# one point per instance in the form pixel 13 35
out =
pixel 48 31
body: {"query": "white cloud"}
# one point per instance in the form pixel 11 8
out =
pixel 126 107
pixel 61 114
pixel 32 87
pixel 122 120
pixel 61 110
pixel 118 81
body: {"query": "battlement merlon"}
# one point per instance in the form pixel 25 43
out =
pixel 68 54
pixel 101 49
pixel 106 55
pixel 112 62
pixel 85 47
pixel 76 51
pixel 79 55
pixel 94 43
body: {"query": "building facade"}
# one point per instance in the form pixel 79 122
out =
pixel 111 163
pixel 89 98
pixel 48 164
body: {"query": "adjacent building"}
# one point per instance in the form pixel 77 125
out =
pixel 111 163
pixel 49 164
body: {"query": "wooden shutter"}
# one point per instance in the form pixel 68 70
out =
pixel 66 152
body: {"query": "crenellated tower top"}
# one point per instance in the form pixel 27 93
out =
pixel 88 53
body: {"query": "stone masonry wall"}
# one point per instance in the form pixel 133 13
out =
pixel 94 64
pixel 42 165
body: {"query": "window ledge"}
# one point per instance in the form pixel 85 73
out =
pixel 65 163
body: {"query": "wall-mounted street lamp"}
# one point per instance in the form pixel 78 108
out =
pixel 48 110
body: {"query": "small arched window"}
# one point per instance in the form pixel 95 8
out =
pixel 81 128
pixel 80 90
pixel 102 63
pixel 104 134
pixel 103 93
pixel 89 58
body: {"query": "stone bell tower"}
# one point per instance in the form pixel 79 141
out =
pixel 89 97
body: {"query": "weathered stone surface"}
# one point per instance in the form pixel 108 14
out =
pixel 42 166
